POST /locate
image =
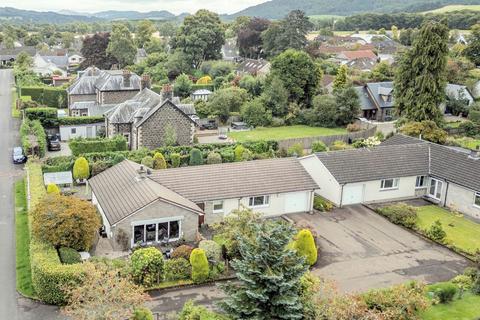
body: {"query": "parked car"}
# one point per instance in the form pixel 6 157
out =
pixel 53 143
pixel 209 125
pixel 18 156
pixel 239 126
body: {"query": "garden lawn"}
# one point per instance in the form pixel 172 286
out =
pixel 286 132
pixel 22 234
pixel 461 232
pixel 469 143
pixel 467 308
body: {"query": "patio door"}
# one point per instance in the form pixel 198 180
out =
pixel 435 190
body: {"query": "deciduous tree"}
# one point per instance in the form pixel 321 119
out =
pixel 94 50
pixel 472 51
pixel 121 45
pixel 144 32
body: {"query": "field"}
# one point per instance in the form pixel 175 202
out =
pixel 451 8
pixel 461 232
pixel 286 132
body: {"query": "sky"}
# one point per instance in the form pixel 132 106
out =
pixel 174 6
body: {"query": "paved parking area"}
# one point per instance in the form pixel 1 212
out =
pixel 361 250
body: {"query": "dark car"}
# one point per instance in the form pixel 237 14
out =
pixel 239 126
pixel 53 143
pixel 18 156
pixel 209 125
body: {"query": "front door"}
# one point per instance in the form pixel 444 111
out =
pixel 435 190
pixel 201 218
pixel 89 132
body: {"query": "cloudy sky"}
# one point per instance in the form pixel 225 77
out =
pixel 174 6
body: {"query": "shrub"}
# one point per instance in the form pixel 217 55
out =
pixel 65 221
pixel 69 255
pixel 401 214
pixel 81 169
pixel 175 160
pixel 214 158
pixel 305 246
pixel 192 312
pixel 82 145
pixel 353 127
pixel 53 189
pixel 476 284
pixel 204 80
pixel 322 204
pixel 427 129
pixel 444 292
pixel 71 121
pixel 238 152
pixel 436 232
pixel 199 262
pixel 177 269
pixel 196 157
pixel 213 251
pixel 182 251
pixel 47 116
pixel 99 167
pixel 463 281
pixel 338 145
pixel 147 266
pixel 319 146
pixel 295 150
pixel 470 128
pixel 147 162
pixel 142 314
pixel 159 161
pixel 34 139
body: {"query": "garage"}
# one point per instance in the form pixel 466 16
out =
pixel 352 194
pixel 297 202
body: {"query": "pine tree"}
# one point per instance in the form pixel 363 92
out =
pixel 420 80
pixel 269 276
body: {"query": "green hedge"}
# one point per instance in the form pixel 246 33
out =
pixel 49 275
pixel 68 121
pixel 33 128
pixel 47 116
pixel 81 145
pixel 158 88
pixel 49 96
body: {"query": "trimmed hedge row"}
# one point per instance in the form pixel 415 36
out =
pixel 69 121
pixel 33 129
pixel 49 275
pixel 81 145
pixel 49 96
pixel 46 115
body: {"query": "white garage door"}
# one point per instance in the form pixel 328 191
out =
pixel 352 194
pixel 296 202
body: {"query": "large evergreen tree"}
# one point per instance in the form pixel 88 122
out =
pixel 420 80
pixel 269 276
pixel 121 45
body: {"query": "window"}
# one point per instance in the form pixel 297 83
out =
pixel 387 184
pixel 73 130
pixel 157 232
pixel 477 199
pixel 435 190
pixel 217 206
pixel 127 137
pixel 261 201
pixel 421 182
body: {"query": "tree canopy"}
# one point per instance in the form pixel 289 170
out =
pixel 121 45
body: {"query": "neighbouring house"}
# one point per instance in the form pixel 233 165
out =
pixel 362 64
pixel 327 83
pixel 63 179
pixel 327 48
pixel 368 38
pixel 8 56
pixel 377 99
pixel 103 86
pixel 254 67
pixel 45 67
pixel 149 118
pixel 363 60
pixel 201 94
pixel 60 60
pixel 401 168
pixel 161 206
pixel 75 59
pixel 59 81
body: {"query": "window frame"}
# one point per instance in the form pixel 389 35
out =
pixel 265 201
pixel 424 182
pixel 73 130
pixel 436 190
pixel 216 202
pixel 475 196
pixel 156 222
pixel 395 184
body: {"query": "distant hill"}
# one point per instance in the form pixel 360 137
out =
pixel 29 16
pixel 134 15
pixel 452 8
pixel 276 9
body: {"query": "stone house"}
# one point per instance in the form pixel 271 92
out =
pixel 102 87
pixel 148 119
pixel 163 206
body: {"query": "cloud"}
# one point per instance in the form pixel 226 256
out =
pixel 175 6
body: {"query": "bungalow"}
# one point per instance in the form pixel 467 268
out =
pixel 400 168
pixel 161 206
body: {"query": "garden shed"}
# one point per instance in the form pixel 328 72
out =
pixel 62 179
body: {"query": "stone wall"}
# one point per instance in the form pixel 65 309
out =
pixel 152 132
pixel 112 97
pixel 72 98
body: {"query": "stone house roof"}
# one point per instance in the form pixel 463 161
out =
pixel 357 54
pixel 93 79
pixel 253 66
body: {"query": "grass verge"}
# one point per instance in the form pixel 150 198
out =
pixel 22 234
pixel 285 132
pixel 466 308
pixel 15 111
